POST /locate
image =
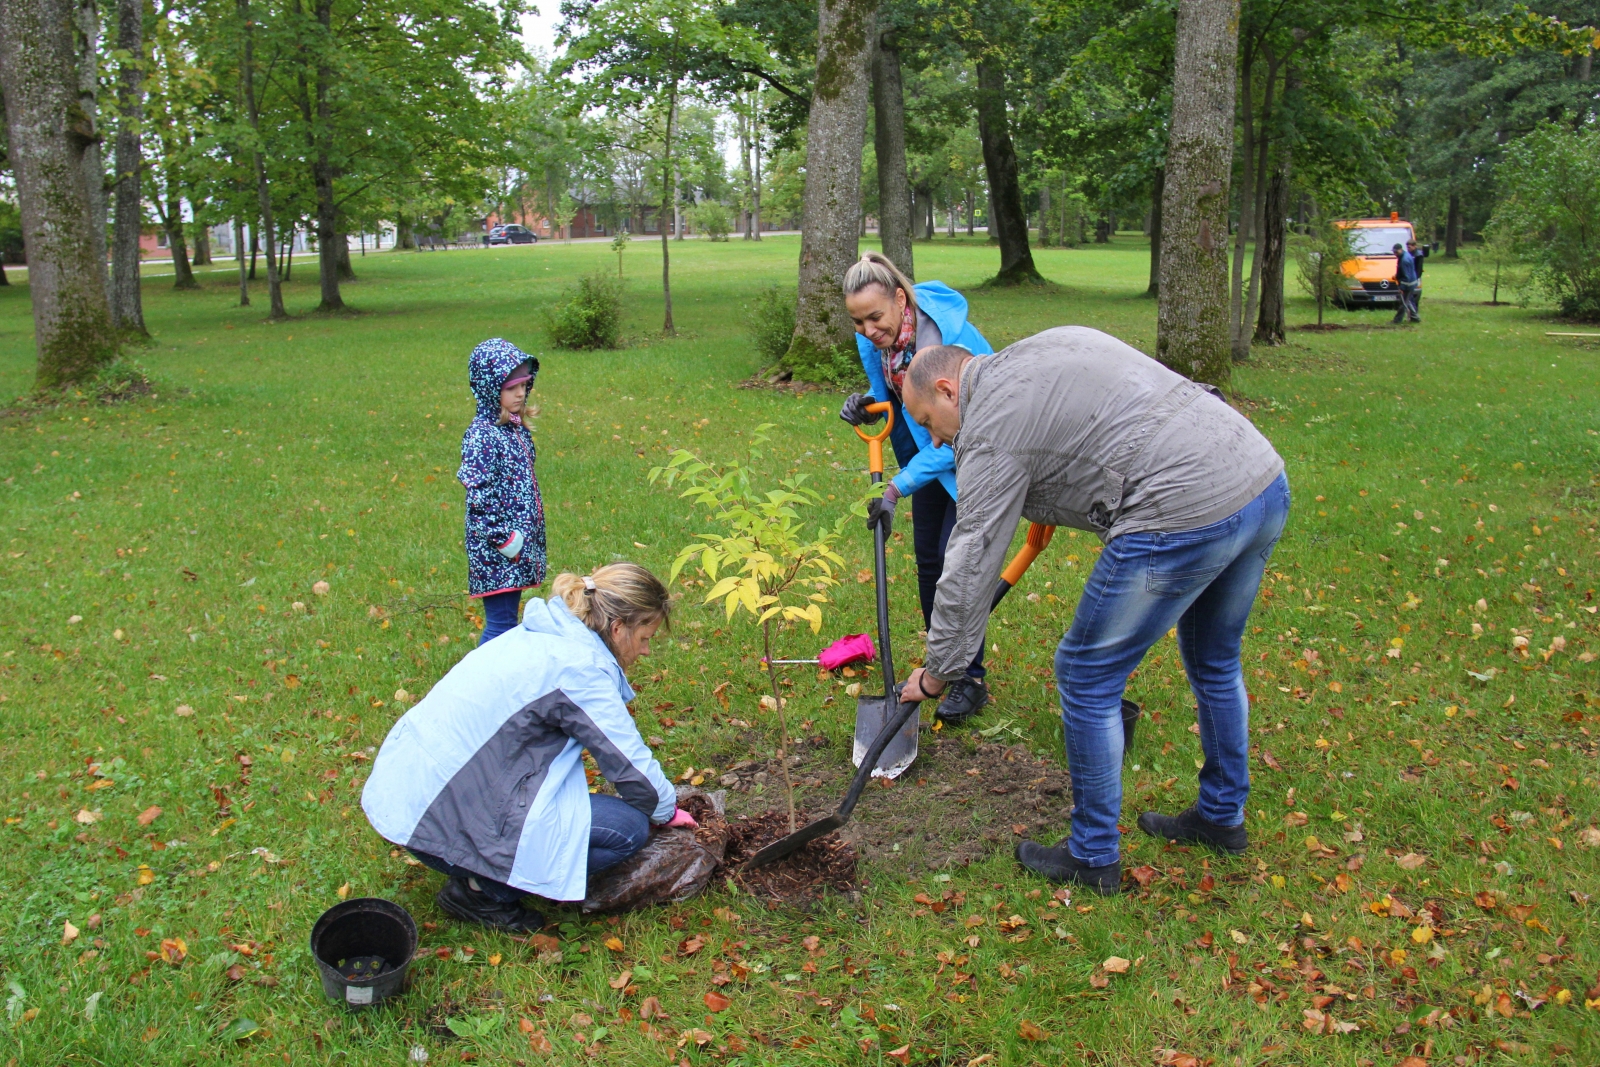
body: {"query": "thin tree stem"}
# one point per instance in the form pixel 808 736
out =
pixel 783 725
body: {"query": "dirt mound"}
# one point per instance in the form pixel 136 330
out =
pixel 813 869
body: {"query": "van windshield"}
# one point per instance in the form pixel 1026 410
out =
pixel 1378 241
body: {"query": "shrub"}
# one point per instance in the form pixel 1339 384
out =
pixel 772 323
pixel 591 317
pixel 1498 264
pixel 1321 258
pixel 711 218
pixel 1551 180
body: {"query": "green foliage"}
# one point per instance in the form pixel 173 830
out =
pixel 772 322
pixel 591 316
pixel 1498 264
pixel 619 244
pixel 712 219
pixel 1552 181
pixel 809 362
pixel 1321 257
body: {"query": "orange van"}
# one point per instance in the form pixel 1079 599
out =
pixel 1369 277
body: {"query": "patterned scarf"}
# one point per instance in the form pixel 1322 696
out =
pixel 898 356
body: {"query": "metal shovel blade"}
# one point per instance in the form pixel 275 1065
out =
pixel 872 714
pixel 785 845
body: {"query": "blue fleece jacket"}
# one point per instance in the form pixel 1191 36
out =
pixel 948 310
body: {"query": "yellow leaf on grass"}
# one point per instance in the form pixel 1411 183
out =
pixel 1422 935
pixel 146 875
pixel 344 891
pixel 614 944
pixel 69 933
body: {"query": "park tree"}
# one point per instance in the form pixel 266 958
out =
pixel 52 140
pixel 889 147
pixel 1552 205
pixel 835 136
pixel 127 304
pixel 1192 324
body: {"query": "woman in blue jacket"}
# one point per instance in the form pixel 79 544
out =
pixel 895 320
pixel 483 780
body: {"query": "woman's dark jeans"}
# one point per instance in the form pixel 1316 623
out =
pixel 616 831
pixel 499 614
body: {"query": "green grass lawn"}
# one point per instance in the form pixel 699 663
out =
pixel 186 722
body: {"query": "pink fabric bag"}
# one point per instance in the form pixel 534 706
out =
pixel 856 648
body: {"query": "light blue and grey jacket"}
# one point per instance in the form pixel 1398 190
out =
pixel 486 772
pixel 948 310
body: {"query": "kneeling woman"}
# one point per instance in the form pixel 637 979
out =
pixel 483 780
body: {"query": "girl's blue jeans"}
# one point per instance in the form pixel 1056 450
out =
pixel 617 830
pixel 499 614
pixel 1203 583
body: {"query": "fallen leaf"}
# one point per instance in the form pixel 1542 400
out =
pixel 1030 1031
pixel 1296 818
pixel 1116 965
pixel 1410 861
pixel 1270 760
pixel 236 973
pixel 494 960
pixel 146 875
pixel 716 1001
pixel 1422 934
pixel 901 1054
pixel 614 944
pixel 344 891
pixel 240 1029
pixel 173 950
pixel 1144 875
pixel 69 933
pixel 651 1009
pixel 1239 937
pixel 1171 1057
pixel 619 982
pixel 149 815
pixel 85 817
pixel 540 1043
pixel 183 711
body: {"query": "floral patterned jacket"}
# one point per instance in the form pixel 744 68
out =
pixel 497 472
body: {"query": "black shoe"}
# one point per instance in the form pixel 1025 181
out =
pixel 460 900
pixel 1060 865
pixel 966 698
pixel 1190 825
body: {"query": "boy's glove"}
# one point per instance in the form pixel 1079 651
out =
pixel 512 549
pixel 882 509
pixel 855 410
pixel 682 818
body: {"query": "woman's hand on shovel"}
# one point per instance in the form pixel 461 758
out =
pixel 921 686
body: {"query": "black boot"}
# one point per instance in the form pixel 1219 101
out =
pixel 1189 825
pixel 459 899
pixel 1060 865
pixel 966 698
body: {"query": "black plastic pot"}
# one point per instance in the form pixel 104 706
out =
pixel 1130 720
pixel 363 947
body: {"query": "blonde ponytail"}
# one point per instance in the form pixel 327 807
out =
pixel 618 592
pixel 873 268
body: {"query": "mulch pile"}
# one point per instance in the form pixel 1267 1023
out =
pixel 827 863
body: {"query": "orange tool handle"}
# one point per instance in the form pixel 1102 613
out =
pixel 1038 540
pixel 875 440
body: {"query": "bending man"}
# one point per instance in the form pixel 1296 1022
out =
pixel 1072 427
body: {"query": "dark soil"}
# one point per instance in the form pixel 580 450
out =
pixel 827 863
pixel 960 801
pixel 1327 327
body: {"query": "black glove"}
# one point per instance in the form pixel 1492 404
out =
pixel 881 510
pixel 855 410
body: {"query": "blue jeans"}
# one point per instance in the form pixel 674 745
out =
pixel 617 830
pixel 1203 582
pixel 499 614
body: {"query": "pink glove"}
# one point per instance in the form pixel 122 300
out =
pixel 683 818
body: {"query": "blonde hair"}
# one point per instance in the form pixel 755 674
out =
pixel 874 268
pixel 618 592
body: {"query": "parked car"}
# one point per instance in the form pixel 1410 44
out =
pixel 512 234
pixel 1369 277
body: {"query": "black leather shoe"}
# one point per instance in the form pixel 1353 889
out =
pixel 1060 865
pixel 966 698
pixel 1189 825
pixel 460 900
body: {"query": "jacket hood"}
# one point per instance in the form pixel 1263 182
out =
pixel 946 307
pixel 555 618
pixel 490 364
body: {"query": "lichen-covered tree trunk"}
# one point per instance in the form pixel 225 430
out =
pixel 1008 223
pixel 1192 310
pixel 341 252
pixel 127 303
pixel 1155 232
pixel 889 143
pixel 94 168
pixel 835 136
pixel 202 244
pixel 49 134
pixel 1270 327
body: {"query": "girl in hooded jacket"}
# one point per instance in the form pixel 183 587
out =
pixel 505 513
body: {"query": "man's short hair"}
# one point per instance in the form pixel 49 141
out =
pixel 931 364
pixel 1398 247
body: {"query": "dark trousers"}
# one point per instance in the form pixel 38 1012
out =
pixel 499 614
pixel 616 831
pixel 933 518
pixel 1410 297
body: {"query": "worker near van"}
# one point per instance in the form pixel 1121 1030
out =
pixel 1418 253
pixel 1409 280
pixel 1071 427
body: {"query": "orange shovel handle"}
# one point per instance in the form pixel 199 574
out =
pixel 1038 540
pixel 875 440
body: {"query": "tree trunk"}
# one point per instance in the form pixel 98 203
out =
pixel 669 198
pixel 202 245
pixel 1192 315
pixel 87 14
pixel 255 249
pixel 1154 289
pixel 263 193
pixel 755 138
pixel 323 173
pixel 341 255
pixel 1007 222
pixel 834 138
pixel 1452 228
pixel 238 251
pixel 49 135
pixel 744 167
pixel 972 211
pixel 404 239
pixel 172 222
pixel 1241 348
pixel 1044 215
pixel 127 303
pixel 889 142
pixel 1273 251
pixel 1247 211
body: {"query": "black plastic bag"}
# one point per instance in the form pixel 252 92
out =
pixel 674 865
